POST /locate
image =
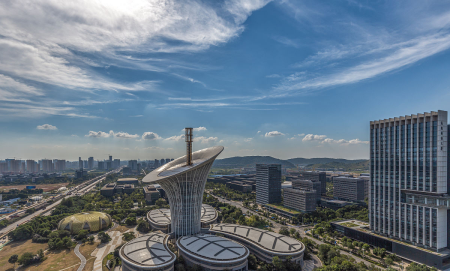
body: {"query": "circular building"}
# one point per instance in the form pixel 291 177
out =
pixel 147 252
pixel 213 252
pixel 160 219
pixel 184 180
pixel 91 221
pixel 264 244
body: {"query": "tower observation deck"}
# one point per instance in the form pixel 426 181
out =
pixel 184 181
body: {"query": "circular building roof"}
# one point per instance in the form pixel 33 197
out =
pixel 163 217
pixel 148 251
pixel 272 242
pixel 178 165
pixel 212 248
pixel 91 221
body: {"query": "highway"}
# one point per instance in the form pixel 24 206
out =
pixel 47 211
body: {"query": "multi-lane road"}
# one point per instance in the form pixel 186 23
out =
pixel 49 208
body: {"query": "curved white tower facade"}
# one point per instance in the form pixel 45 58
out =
pixel 184 181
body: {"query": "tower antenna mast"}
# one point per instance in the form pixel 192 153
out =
pixel 189 138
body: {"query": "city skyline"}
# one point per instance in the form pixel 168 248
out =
pixel 277 78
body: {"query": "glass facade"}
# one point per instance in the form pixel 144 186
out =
pixel 403 168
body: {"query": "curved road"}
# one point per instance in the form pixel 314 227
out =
pixel 82 258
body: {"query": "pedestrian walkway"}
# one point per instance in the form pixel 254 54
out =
pixel 308 265
pixel 104 249
pixel 82 258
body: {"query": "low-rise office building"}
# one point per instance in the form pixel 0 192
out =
pixel 147 252
pixel 348 188
pixel 300 199
pixel 151 194
pixel 213 252
pixel 240 186
pixel 308 185
pixel 264 244
pixel 110 189
pixel 128 181
pixel 160 219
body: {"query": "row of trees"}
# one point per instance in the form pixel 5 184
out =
pixel 326 214
pixel 27 258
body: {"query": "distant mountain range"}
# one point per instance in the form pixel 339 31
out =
pixel 250 161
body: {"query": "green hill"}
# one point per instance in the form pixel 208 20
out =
pixel 250 161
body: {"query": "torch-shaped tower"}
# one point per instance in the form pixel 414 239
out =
pixel 183 180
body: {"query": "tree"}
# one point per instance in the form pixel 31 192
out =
pixel 388 261
pixel 25 259
pixel 418 267
pixel 366 248
pixel 252 262
pixel 278 264
pixel 284 231
pixel 103 237
pixel 82 234
pixel 143 226
pixel 13 259
pixel 40 253
pixel 160 202
pixel 130 221
pixel 292 231
pixel 128 236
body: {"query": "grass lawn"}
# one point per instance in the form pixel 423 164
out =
pixel 123 229
pixel 349 224
pixel 18 248
pixel 86 250
pixel 281 207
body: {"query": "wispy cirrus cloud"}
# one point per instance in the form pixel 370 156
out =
pixel 363 51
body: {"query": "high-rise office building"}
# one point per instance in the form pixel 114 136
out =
pixel 162 162
pixel 80 163
pixel 409 185
pixel 308 185
pixel 90 163
pixel 348 188
pixel 9 162
pixel 156 163
pixel 3 167
pixel 268 183
pixel 316 176
pixel 15 166
pixel 110 159
pixel 101 165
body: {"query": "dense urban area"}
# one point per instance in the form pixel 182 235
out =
pixel 61 215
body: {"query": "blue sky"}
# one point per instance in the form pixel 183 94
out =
pixel 280 78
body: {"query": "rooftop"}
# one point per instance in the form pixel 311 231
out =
pixel 163 217
pixel 211 247
pixel 178 165
pixel 148 250
pixel 267 240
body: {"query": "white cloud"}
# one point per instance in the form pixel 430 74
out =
pixel 248 139
pixel 46 127
pixel 98 134
pixel 175 138
pixel 273 134
pixel 150 136
pixel 205 140
pixel 311 137
pixel 322 139
pixel 125 135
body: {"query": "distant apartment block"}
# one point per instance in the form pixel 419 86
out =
pixel 47 165
pixel 268 183
pixel 300 199
pixel 348 188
